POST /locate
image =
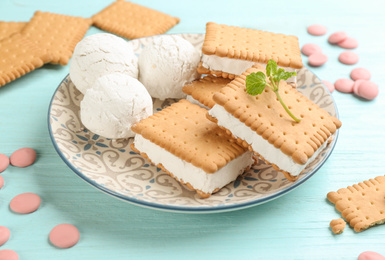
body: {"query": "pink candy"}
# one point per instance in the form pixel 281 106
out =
pixel 317 59
pixel 369 255
pixel 360 73
pixel 64 235
pixel 4 235
pixel 348 43
pixel 4 162
pixel 316 29
pixel 1 182
pixel 329 85
pixel 348 58
pixel 310 48
pixel 337 37
pixel 344 85
pixel 25 203
pixel 23 157
pixel 7 254
pixel 367 89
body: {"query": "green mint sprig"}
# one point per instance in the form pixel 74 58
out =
pixel 256 82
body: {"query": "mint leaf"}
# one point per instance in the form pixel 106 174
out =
pixel 271 68
pixel 255 83
pixel 287 75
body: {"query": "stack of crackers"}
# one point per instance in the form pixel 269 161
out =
pixel 51 38
pixel 181 135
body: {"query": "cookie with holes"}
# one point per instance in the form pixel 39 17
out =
pixel 228 51
pixel 362 204
pixel 181 141
pixel 261 123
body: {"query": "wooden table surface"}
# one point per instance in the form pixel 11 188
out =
pixel 294 226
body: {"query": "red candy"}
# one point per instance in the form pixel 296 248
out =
pixel 23 157
pixel 348 58
pixel 7 254
pixel 25 203
pixel 337 37
pixel 360 73
pixel 317 59
pixel 64 235
pixel 344 85
pixel 1 182
pixel 310 48
pixel 367 89
pixel 4 235
pixel 369 255
pixel 4 162
pixel 329 85
pixel 316 29
pixel 348 43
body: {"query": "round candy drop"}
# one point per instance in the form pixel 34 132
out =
pixel 369 255
pixel 7 254
pixel 348 58
pixel 356 85
pixel 337 37
pixel 360 73
pixel 344 85
pixel 316 29
pixel 310 48
pixel 64 235
pixel 329 85
pixel 1 182
pixel 317 59
pixel 4 235
pixel 348 43
pixel 368 90
pixel 25 203
pixel 4 162
pixel 23 157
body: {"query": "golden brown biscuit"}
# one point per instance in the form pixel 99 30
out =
pixel 19 55
pixel 9 28
pixel 56 33
pixel 362 205
pixel 133 21
pixel 338 225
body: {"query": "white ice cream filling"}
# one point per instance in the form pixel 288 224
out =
pixel 196 102
pixel 188 173
pixel 235 66
pixel 259 144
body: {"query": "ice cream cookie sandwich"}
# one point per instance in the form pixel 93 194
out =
pixel 228 51
pixel 262 124
pixel 195 151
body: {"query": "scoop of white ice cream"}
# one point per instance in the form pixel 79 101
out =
pixel 114 103
pixel 101 54
pixel 166 65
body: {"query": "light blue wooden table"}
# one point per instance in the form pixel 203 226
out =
pixel 295 226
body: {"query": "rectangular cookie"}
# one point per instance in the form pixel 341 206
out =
pixel 362 204
pixel 201 91
pixel 228 51
pixel 195 151
pixel 133 21
pixel 56 33
pixel 261 123
pixel 19 55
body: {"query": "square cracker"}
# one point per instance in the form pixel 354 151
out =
pixel 184 130
pixel 9 28
pixel 203 89
pixel 56 33
pixel 133 21
pixel 19 55
pixel 252 45
pixel 265 116
pixel 363 204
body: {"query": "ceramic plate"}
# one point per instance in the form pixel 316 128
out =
pixel 111 166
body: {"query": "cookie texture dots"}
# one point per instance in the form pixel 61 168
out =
pixel 9 28
pixel 362 204
pixel 166 65
pixel 113 104
pixel 133 21
pixel 101 54
pixel 56 33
